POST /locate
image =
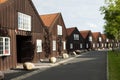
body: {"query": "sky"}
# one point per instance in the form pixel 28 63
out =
pixel 83 14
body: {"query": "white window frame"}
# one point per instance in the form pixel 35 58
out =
pixel 81 46
pixel 105 44
pixel 59 29
pixel 98 45
pixel 100 39
pixel 76 36
pixel 71 45
pixel 102 44
pixel 64 45
pixel 39 45
pixel 4 45
pixel 54 45
pixel 107 40
pixel 90 38
pixel 24 22
pixel 93 45
pixel 87 45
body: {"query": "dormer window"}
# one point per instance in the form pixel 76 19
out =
pixel 24 22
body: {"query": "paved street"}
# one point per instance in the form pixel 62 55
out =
pixel 90 66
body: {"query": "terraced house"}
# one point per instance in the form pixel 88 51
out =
pixel 105 41
pixel 89 40
pixel 55 37
pixel 99 40
pixel 21 33
pixel 75 40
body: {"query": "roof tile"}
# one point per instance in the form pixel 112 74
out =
pixel 70 30
pixel 104 36
pixel 48 19
pixel 84 33
pixel 96 34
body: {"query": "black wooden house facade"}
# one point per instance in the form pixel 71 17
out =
pixel 89 40
pixel 75 40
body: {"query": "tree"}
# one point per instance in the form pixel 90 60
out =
pixel 111 13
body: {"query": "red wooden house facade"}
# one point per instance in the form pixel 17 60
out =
pixel 21 33
pixel 56 34
pixel 74 39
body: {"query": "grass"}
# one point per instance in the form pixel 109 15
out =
pixel 114 65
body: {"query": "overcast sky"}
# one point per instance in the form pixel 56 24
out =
pixel 83 14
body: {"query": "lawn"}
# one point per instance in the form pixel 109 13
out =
pixel 114 65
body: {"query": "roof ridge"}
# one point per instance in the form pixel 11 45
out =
pixel 49 14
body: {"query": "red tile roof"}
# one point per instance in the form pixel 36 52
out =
pixel 2 1
pixel 84 33
pixel 104 36
pixel 70 30
pixel 49 19
pixel 96 35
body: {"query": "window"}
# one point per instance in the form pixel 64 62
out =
pixel 87 45
pixel 116 44
pixel 100 39
pixel 93 45
pixel 4 46
pixel 39 45
pixel 90 38
pixel 24 22
pixel 59 29
pixel 107 40
pixel 64 45
pixel 97 44
pixel 102 45
pixel 81 45
pixel 71 46
pixel 105 44
pixel 54 45
pixel 76 36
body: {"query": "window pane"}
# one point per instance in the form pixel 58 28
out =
pixel 7 46
pixel 59 29
pixel 54 45
pixel 39 45
pixel 80 45
pixel 90 38
pixel 71 46
pixel 64 45
pixel 24 22
pixel 1 45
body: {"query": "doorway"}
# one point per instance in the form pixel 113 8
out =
pixel 25 49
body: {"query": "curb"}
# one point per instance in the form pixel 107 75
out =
pixel 43 69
